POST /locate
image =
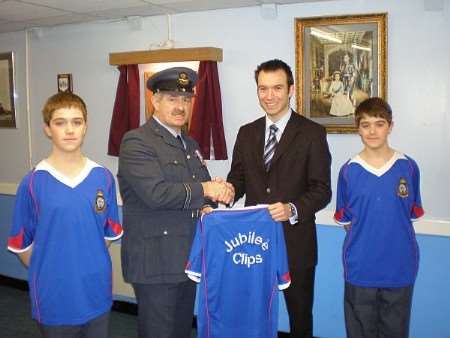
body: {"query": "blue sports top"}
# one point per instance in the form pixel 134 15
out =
pixel 66 221
pixel 378 206
pixel 239 255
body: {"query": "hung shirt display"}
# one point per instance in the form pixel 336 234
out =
pixel 239 258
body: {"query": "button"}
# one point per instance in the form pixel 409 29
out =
pixel 175 162
pixel 165 232
pixel 268 190
pixel 188 157
pixel 193 176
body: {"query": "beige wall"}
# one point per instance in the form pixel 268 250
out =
pixel 120 287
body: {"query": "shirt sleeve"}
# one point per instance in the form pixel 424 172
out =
pixel 24 218
pixel 416 210
pixel 284 277
pixel 342 214
pixel 194 264
pixel 113 228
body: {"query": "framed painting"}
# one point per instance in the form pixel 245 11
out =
pixel 64 82
pixel 340 61
pixel 7 102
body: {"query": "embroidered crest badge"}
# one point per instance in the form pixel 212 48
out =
pixel 100 203
pixel 402 189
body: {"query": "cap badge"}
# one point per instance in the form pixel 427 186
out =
pixel 183 79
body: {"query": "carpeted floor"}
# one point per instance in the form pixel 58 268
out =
pixel 16 322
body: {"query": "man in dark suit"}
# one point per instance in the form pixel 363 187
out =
pixel 164 184
pixel 288 167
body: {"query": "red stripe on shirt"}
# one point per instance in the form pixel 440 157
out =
pixel 16 242
pixel 417 211
pixel 115 227
pixel 339 215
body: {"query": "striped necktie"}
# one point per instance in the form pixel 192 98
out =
pixel 271 144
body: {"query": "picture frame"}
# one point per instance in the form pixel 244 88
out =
pixel 64 82
pixel 7 91
pixel 340 61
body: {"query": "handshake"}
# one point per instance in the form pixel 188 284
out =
pixel 218 190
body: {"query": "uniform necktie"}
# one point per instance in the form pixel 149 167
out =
pixel 270 146
pixel 180 140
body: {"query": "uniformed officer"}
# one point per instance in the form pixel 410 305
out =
pixel 164 183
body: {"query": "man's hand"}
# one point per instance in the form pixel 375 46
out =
pixel 219 191
pixel 280 211
pixel 206 209
pixel 227 195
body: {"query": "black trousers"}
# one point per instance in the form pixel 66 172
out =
pixel 95 328
pixel 299 301
pixel 377 312
pixel 165 310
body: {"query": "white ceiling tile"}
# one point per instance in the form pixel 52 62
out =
pixel 18 11
pixel 86 6
pixel 285 2
pixel 11 27
pixel 203 5
pixel 148 10
pixel 32 13
pixel 63 19
pixel 166 2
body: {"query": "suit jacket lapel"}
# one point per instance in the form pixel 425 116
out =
pixel 165 134
pixel 259 139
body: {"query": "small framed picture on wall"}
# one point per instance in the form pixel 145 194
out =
pixel 7 97
pixel 64 83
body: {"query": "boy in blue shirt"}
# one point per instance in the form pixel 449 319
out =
pixel 378 197
pixel 64 219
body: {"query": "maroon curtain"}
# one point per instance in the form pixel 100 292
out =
pixel 126 107
pixel 206 121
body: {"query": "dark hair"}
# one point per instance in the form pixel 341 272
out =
pixel 374 107
pixel 63 100
pixel 273 65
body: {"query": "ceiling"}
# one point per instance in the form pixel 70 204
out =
pixel 16 15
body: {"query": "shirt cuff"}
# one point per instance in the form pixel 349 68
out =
pixel 294 218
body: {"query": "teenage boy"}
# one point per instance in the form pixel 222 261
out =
pixel 64 219
pixel 378 197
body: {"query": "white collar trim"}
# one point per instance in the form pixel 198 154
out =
pixel 71 182
pixel 382 170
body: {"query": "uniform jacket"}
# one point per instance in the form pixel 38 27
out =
pixel 299 173
pixel 160 186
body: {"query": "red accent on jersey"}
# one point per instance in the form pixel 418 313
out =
pixel 116 227
pixel 16 242
pixel 418 211
pixel 338 215
pixel 286 277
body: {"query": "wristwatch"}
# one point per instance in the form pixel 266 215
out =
pixel 293 211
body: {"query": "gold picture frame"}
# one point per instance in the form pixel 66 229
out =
pixel 7 97
pixel 340 61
